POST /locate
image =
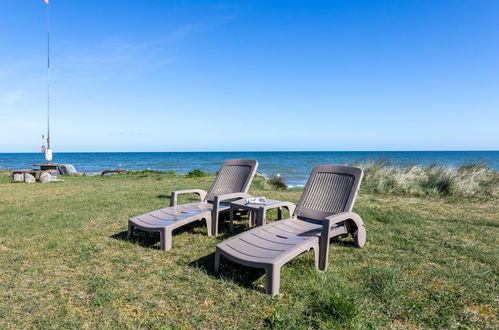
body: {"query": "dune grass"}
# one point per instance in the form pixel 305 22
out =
pixel 430 261
pixel 475 181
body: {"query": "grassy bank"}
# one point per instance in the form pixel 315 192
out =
pixel 431 261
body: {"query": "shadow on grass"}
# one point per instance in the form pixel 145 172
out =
pixel 152 239
pixel 344 242
pixel 239 274
pixel 162 196
pixel 121 236
pixel 231 271
pixel 224 229
pixel 144 239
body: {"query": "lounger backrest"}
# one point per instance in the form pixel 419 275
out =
pixel 330 189
pixel 235 175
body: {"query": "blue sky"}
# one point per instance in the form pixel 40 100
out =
pixel 251 75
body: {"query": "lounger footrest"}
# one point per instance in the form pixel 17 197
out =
pixel 270 247
pixel 167 219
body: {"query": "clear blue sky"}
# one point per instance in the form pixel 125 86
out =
pixel 163 75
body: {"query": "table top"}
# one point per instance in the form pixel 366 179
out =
pixel 268 203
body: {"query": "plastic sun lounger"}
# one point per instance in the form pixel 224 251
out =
pixel 323 212
pixel 232 183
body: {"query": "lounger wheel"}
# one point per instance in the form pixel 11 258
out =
pixel 359 237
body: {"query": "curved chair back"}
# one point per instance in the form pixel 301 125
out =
pixel 330 189
pixel 235 175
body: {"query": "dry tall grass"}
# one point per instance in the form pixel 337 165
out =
pixel 473 180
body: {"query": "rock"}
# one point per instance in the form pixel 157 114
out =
pixel 77 174
pixel 18 177
pixel 68 169
pixel 28 178
pixel 45 177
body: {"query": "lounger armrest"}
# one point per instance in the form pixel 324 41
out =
pixel 216 207
pixel 339 217
pixel 174 195
pixel 229 197
pixel 327 231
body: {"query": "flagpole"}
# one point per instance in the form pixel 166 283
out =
pixel 48 75
pixel 48 151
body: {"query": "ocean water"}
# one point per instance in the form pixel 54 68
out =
pixel 294 167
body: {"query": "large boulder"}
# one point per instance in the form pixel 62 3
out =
pixel 29 178
pixel 18 177
pixel 68 169
pixel 45 177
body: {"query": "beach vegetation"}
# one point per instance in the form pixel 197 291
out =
pixel 197 173
pixel 260 183
pixel 468 181
pixel 277 183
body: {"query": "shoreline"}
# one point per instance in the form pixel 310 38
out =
pixel 294 166
pixel 472 181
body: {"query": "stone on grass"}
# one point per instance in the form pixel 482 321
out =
pixel 45 177
pixel 68 169
pixel 28 178
pixel 18 177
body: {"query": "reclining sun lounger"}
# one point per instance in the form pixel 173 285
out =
pixel 232 183
pixel 323 212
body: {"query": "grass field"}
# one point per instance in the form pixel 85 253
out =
pixel 430 262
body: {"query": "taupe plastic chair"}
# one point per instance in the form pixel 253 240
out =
pixel 323 212
pixel 232 183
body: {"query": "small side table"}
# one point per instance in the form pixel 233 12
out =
pixel 260 210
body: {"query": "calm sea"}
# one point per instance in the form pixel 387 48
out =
pixel 294 167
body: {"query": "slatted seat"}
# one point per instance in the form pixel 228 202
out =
pixel 232 182
pixel 266 244
pixel 324 211
pixel 182 212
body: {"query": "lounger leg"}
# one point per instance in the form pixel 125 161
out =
pixel 216 266
pixel 323 258
pixel 316 257
pixel 130 231
pixel 231 219
pixel 208 226
pixel 272 279
pixel 324 245
pixel 165 237
pixel 214 223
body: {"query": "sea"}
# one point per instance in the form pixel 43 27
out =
pixel 293 166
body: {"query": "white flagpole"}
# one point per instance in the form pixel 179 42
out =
pixel 48 151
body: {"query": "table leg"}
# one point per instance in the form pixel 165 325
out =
pixel 260 221
pixel 231 219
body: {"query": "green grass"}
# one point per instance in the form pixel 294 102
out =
pixel 430 262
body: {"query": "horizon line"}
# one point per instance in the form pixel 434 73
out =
pixel 249 151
